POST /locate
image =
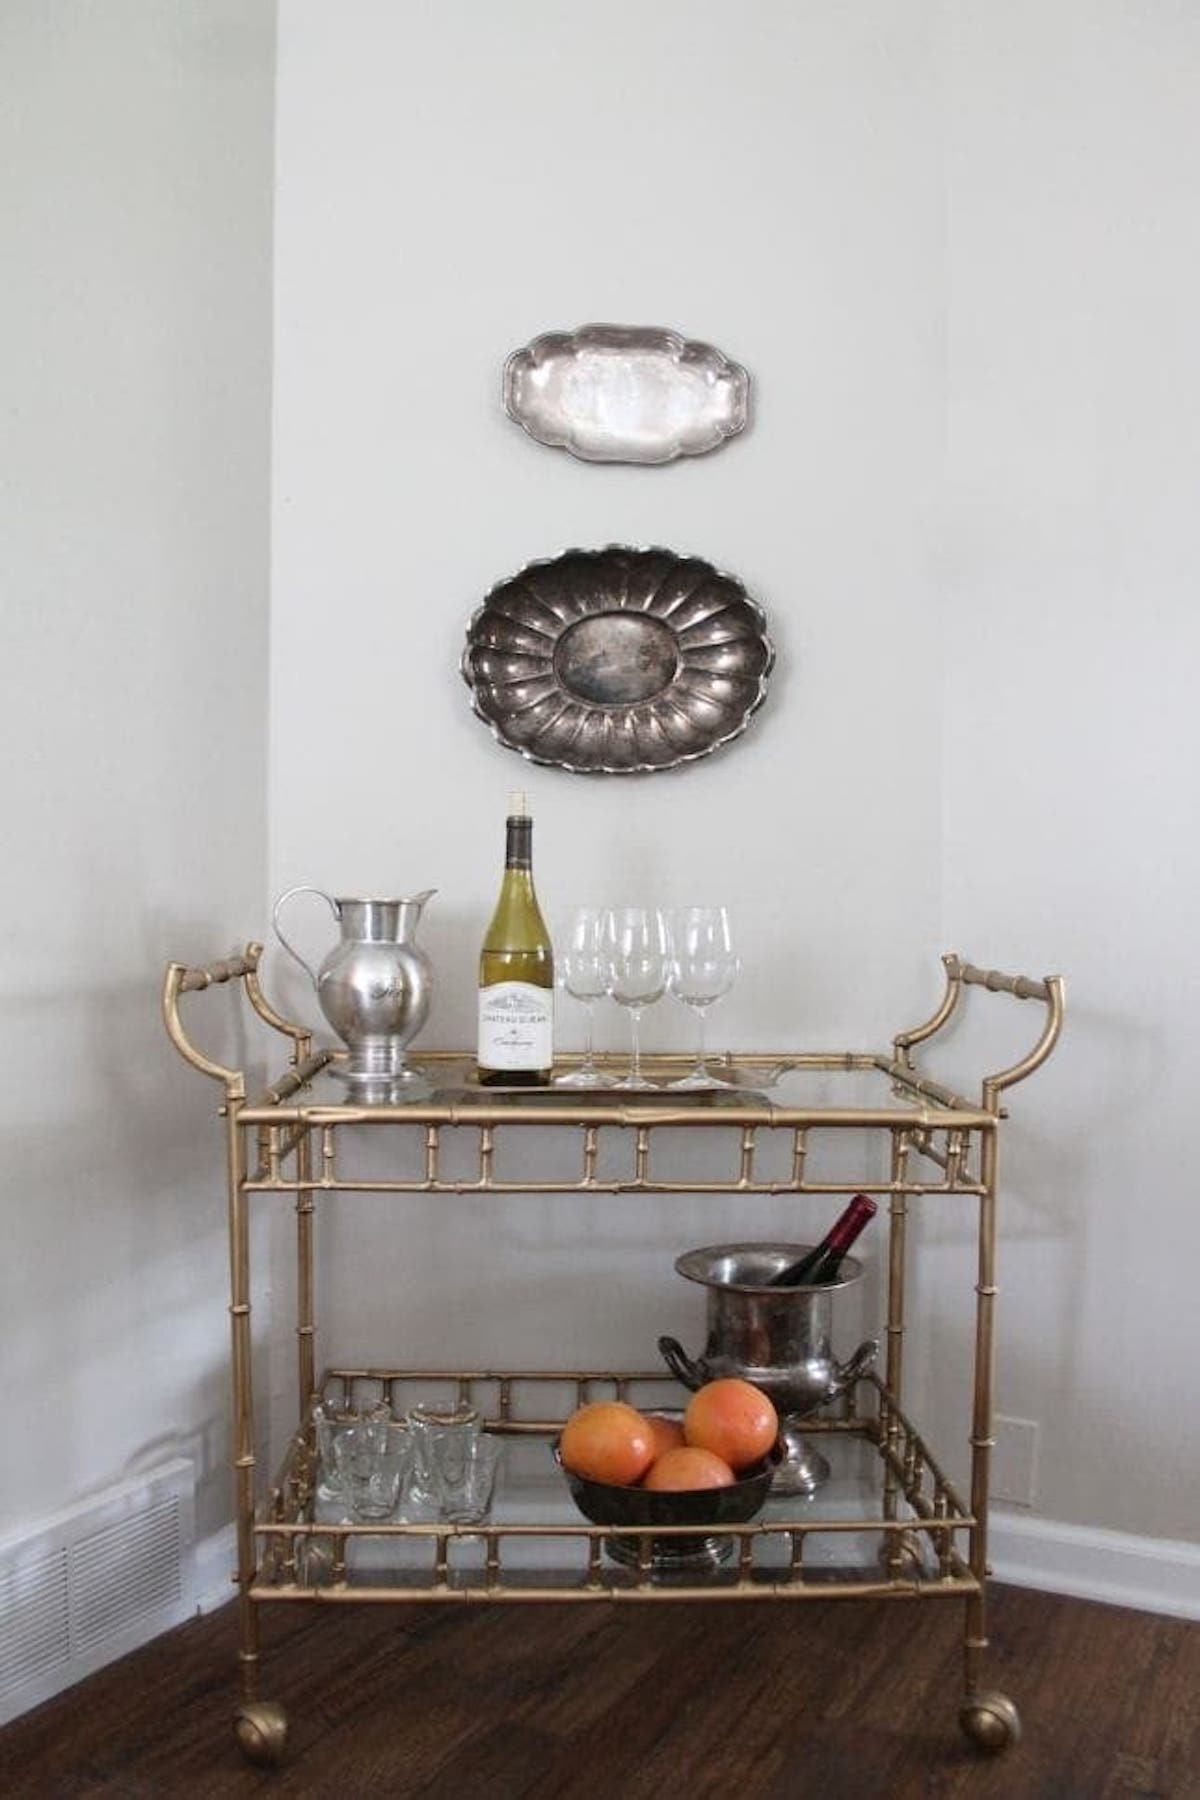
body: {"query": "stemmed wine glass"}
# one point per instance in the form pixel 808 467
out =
pixel 635 967
pixel 579 963
pixel 701 970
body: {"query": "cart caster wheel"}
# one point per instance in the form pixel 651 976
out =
pixel 260 1728
pixel 991 1721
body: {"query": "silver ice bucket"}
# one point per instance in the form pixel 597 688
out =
pixel 779 1338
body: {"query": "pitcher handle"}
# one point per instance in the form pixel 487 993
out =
pixel 304 888
pixel 857 1365
pixel 680 1364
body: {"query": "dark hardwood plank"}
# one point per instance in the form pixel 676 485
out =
pixel 768 1702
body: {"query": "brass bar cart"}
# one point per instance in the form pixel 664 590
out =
pixel 892 1523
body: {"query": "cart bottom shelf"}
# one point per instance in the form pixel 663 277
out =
pixel 886 1523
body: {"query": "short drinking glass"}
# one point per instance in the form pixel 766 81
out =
pixel 466 1475
pixel 332 1424
pixel 371 1456
pixel 437 1432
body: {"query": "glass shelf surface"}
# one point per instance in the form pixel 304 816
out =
pixel 532 1493
pixel 763 1084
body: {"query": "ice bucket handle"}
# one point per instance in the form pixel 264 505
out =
pixel 855 1366
pixel 694 1375
pixel 691 1374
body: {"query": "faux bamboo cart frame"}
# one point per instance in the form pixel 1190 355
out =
pixel 934 1539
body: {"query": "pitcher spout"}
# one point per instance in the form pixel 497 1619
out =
pixel 411 909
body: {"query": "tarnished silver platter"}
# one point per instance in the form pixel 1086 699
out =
pixel 626 393
pixel 618 660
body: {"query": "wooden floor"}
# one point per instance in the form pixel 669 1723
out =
pixel 835 1701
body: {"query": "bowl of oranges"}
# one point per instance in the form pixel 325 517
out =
pixel 706 1467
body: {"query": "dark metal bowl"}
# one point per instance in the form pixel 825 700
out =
pixel 604 1503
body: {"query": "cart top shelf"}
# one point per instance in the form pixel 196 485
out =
pixel 810 1089
pixel 852 1088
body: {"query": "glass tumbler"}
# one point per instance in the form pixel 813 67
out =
pixel 466 1477
pixel 330 1425
pixel 372 1455
pixel 439 1433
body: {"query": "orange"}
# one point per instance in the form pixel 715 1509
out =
pixel 608 1441
pixel 733 1420
pixel 686 1470
pixel 667 1433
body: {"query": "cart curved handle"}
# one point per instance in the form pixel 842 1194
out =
pixel 181 979
pixel 1049 989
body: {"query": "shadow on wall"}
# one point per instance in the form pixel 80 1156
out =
pixel 1057 1288
pixel 116 1277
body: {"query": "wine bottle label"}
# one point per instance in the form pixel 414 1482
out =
pixel 516 1026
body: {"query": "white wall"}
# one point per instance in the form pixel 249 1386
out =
pixel 955 248
pixel 953 245
pixel 451 181
pixel 134 316
pixel 1072 781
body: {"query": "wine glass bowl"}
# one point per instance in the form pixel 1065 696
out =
pixel 701 969
pixel 580 966
pixel 635 968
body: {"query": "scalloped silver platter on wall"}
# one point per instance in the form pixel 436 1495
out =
pixel 617 661
pixel 626 393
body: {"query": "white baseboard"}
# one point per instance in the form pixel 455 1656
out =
pixel 1159 1575
pixel 214 1582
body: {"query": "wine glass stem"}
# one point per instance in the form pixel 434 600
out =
pixel 701 1017
pixel 589 1066
pixel 635 1019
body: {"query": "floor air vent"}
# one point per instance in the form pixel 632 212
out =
pixel 85 1587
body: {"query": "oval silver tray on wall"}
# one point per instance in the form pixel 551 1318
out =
pixel 617 661
pixel 626 393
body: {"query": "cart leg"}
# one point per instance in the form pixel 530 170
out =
pixel 305 1287
pixel 899 1553
pixel 260 1726
pixel 990 1719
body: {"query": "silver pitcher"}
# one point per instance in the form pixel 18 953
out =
pixel 375 985
pixel 778 1338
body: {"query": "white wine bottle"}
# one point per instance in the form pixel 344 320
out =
pixel 516 972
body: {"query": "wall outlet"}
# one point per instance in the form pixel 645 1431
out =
pixel 1014 1460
